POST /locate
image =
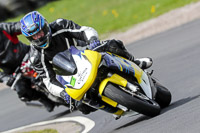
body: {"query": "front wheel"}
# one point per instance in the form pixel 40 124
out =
pixel 137 102
pixel 163 95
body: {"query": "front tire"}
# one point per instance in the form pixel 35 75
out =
pixel 163 95
pixel 143 106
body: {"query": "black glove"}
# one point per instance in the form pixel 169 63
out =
pixel 65 96
pixel 94 44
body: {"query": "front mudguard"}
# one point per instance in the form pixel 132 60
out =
pixel 116 79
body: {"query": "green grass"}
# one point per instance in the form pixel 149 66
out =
pixel 43 131
pixel 108 15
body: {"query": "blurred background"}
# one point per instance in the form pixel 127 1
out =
pixel 105 16
pixel 13 8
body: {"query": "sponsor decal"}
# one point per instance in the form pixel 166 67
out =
pixel 82 75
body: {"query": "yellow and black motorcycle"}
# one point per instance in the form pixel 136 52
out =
pixel 109 82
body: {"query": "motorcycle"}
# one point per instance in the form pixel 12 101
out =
pixel 36 83
pixel 111 83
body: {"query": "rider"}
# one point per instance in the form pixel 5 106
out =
pixel 12 52
pixel 58 36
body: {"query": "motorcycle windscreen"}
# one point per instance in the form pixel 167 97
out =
pixel 78 80
pixel 64 64
pixel 87 63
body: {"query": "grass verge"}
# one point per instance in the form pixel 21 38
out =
pixel 43 131
pixel 107 16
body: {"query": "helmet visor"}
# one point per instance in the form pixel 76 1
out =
pixel 41 38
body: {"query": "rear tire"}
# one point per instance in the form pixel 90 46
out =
pixel 163 95
pixel 146 107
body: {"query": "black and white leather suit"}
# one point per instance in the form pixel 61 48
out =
pixel 65 33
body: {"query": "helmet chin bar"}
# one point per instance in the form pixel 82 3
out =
pixel 44 46
pixel 43 42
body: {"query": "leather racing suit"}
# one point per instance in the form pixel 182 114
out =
pixel 12 53
pixel 65 33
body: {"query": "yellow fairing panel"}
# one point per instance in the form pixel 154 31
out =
pixel 116 79
pixel 138 73
pixel 94 58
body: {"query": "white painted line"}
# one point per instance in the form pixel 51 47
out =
pixel 88 123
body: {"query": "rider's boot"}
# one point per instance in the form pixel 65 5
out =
pixel 144 63
pixel 48 104
pixel 117 47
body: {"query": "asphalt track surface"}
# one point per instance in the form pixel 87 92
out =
pixel 176 54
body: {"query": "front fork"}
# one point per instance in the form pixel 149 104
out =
pixel 116 79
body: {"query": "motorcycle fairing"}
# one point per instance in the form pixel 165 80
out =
pixel 89 60
pixel 118 63
pixel 94 58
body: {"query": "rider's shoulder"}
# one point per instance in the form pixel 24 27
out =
pixel 59 21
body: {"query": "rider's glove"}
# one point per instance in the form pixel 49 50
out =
pixel 94 44
pixel 25 66
pixel 65 96
pixel 27 69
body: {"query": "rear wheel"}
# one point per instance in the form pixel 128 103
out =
pixel 138 102
pixel 163 95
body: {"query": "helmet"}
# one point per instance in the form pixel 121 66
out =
pixel 36 29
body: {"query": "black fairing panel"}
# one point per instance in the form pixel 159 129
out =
pixel 64 64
